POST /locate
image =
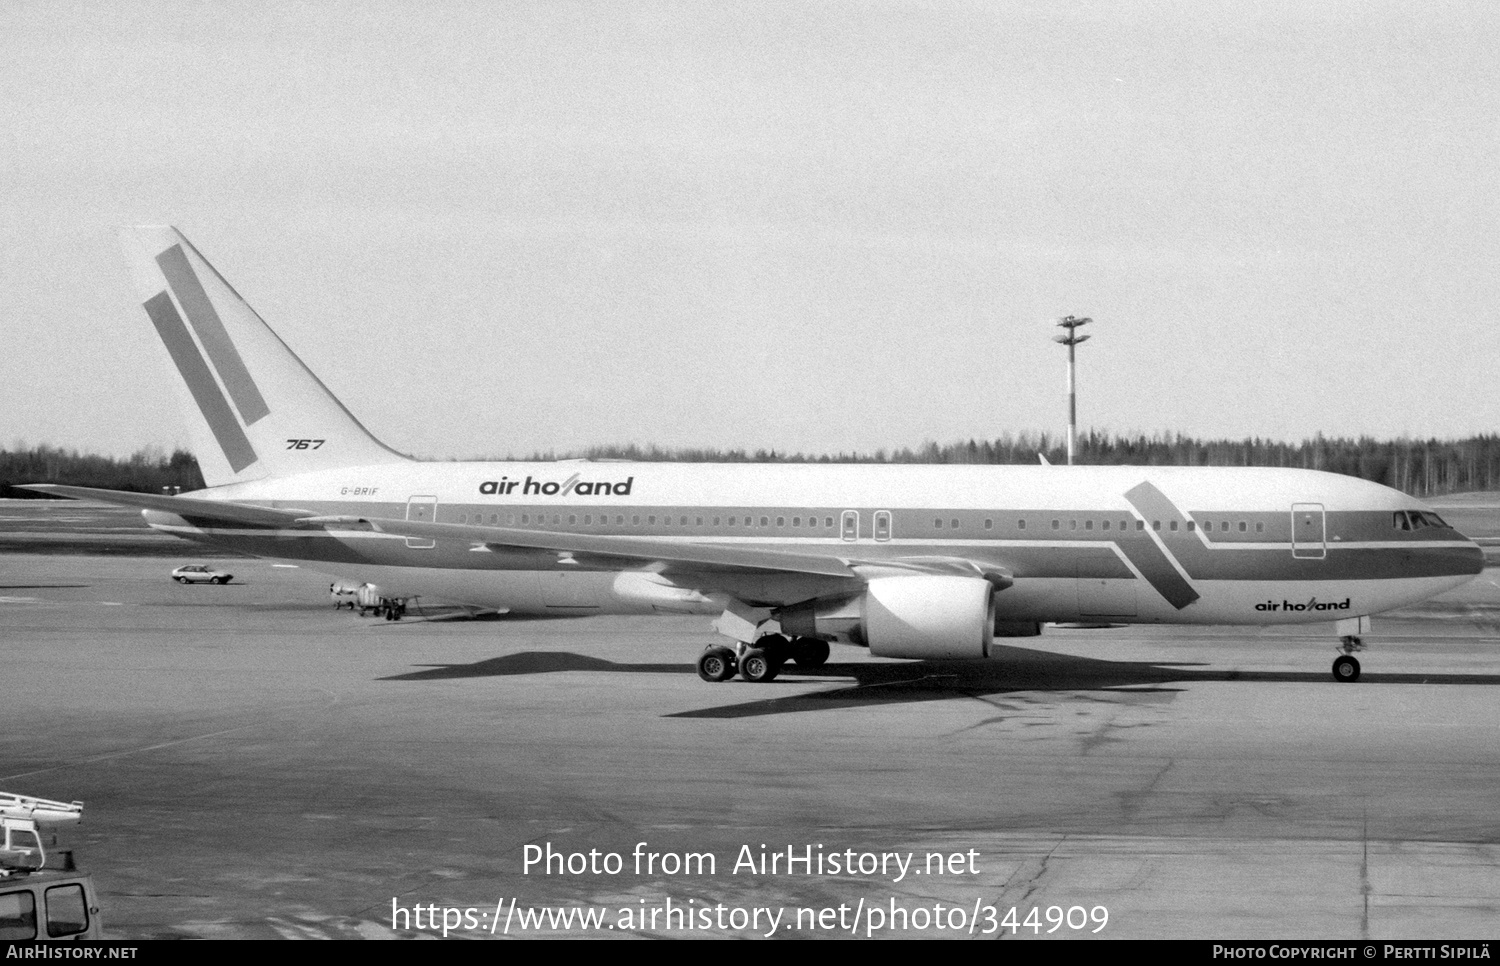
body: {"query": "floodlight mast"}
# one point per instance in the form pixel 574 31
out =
pixel 1071 340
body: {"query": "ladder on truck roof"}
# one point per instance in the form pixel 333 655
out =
pixel 27 815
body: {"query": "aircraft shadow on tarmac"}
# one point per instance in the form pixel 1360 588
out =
pixel 1008 670
pixel 533 662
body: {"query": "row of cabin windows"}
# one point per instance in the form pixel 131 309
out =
pixel 1400 521
pixel 540 519
pixel 1208 526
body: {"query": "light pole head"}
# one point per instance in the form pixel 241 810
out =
pixel 1071 323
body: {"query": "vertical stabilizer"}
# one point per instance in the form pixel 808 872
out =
pixel 254 409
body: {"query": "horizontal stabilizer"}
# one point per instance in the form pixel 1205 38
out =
pixel 183 506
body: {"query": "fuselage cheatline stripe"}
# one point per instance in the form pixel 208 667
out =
pixel 200 382
pixel 205 321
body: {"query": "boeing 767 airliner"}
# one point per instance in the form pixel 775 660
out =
pixel 926 562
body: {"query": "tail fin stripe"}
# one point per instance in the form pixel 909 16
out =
pixel 221 351
pixel 200 382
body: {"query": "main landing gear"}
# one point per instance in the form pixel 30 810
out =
pixel 1346 665
pixel 761 661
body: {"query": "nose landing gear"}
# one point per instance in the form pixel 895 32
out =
pixel 1346 665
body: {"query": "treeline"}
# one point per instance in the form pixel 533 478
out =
pixel 1419 467
pixel 1415 466
pixel 146 471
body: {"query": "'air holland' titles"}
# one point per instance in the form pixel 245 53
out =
pixel 1314 604
pixel 572 485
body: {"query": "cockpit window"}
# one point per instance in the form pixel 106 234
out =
pixel 1416 520
pixel 1399 520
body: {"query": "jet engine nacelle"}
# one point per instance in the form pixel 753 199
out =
pixel 916 617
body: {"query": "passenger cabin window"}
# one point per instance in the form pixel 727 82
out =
pixel 882 525
pixel 1021 524
pixel 989 524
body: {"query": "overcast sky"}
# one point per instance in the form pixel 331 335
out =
pixel 502 227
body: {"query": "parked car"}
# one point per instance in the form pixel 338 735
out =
pixel 200 574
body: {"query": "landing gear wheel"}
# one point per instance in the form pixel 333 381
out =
pixel 1345 668
pixel 716 664
pixel 758 667
pixel 810 652
pixel 778 647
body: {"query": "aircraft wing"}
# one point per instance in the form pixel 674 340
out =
pixel 183 506
pixel 608 550
pixel 604 551
pixel 617 550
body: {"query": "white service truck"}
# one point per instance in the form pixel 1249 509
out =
pixel 42 897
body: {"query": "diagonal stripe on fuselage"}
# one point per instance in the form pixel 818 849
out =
pixel 1151 558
